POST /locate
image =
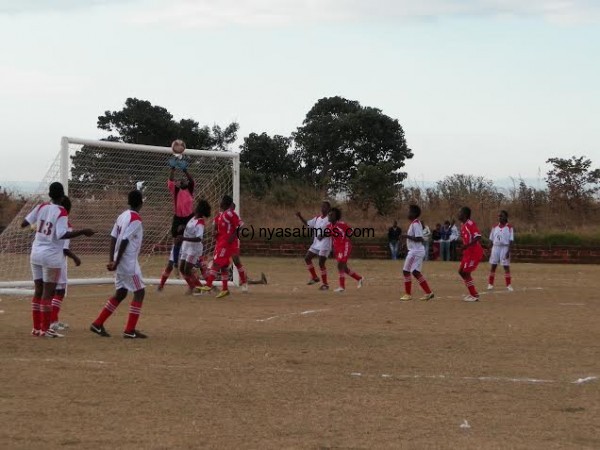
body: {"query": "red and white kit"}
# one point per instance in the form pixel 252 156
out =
pixel 226 225
pixel 321 247
pixel 416 250
pixel 192 251
pixel 471 257
pixel 128 274
pixel 340 236
pixel 47 258
pixel 501 237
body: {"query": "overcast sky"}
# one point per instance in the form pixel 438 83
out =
pixel 488 87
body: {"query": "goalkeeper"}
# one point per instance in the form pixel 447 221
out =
pixel 182 193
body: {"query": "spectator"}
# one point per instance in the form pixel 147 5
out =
pixel 436 236
pixel 454 236
pixel 445 240
pixel 394 234
pixel 426 239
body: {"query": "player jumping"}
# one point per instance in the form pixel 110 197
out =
pixel 502 238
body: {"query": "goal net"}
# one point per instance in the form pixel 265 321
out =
pixel 97 176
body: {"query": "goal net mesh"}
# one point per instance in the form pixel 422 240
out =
pixel 99 180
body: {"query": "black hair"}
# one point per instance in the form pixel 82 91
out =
pixel 415 209
pixel 447 222
pixel 135 199
pixel 66 203
pixel 466 211
pixel 326 202
pixel 227 201
pixel 56 191
pixel 505 212
pixel 203 208
pixel 337 213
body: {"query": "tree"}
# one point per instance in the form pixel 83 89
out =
pixel 338 136
pixel 457 190
pixel 140 122
pixel 268 156
pixel 371 185
pixel 572 181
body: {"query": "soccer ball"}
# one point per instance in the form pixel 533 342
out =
pixel 178 147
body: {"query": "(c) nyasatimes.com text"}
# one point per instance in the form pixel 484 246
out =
pixel 251 232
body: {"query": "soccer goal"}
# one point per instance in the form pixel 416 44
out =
pixel 97 176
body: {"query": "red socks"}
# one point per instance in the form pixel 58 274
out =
pixel 424 285
pixel 492 278
pixel 242 273
pixel 407 284
pixel 225 277
pixel 36 313
pixel 135 309
pixel 56 304
pixel 165 276
pixel 507 278
pixel 311 269
pixel 324 276
pixel 470 284
pixel 353 274
pixel 343 279
pixel 109 308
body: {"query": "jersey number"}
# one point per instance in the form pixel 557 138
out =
pixel 45 228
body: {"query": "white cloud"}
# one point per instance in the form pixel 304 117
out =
pixel 212 13
pixel 36 6
pixel 28 83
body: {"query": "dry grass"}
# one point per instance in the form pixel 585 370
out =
pixel 278 367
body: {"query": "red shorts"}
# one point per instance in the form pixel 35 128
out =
pixel 234 249
pixel 343 253
pixel 221 256
pixel 469 263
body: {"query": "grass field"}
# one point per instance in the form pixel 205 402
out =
pixel 288 366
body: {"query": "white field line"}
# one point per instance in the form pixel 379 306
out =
pixel 301 313
pixel 524 380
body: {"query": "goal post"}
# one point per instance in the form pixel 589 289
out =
pixel 97 175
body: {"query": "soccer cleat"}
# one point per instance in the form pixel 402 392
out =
pixel 490 287
pixel 134 334
pixel 313 281
pixel 340 289
pixel 223 294
pixel 244 287
pixel 324 287
pixel 429 296
pixel 510 288
pixel 360 283
pixel 99 330
pixel 406 297
pixel 263 278
pixel 202 289
pixel 470 298
pixel 50 333
pixel 59 326
pixel 159 288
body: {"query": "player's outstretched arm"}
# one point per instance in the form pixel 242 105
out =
pixel 75 234
pixel 299 216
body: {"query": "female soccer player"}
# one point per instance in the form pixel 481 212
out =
pixel 472 252
pixel 501 237
pixel 320 247
pixel 51 224
pixel 61 286
pixel 416 255
pixel 191 243
pixel 340 234
pixel 125 244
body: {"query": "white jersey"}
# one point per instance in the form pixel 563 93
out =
pixel 193 229
pixel 51 224
pixel 502 235
pixel 415 229
pixel 128 227
pixel 318 225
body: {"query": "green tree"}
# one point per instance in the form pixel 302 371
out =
pixel 139 122
pixel 572 181
pixel 268 156
pixel 338 136
pixel 459 189
pixel 373 185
